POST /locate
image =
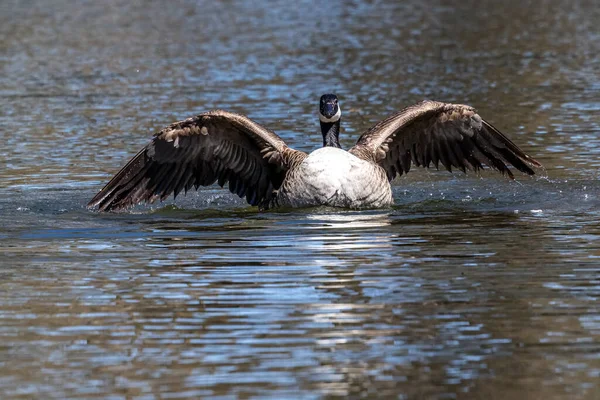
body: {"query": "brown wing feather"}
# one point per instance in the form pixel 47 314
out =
pixel 434 132
pixel 199 151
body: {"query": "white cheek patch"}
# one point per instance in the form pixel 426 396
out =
pixel 335 118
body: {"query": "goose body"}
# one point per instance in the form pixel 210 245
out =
pixel 256 164
pixel 333 177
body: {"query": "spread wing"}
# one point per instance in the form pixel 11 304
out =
pixel 199 151
pixel 434 132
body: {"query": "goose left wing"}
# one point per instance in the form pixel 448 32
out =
pixel 435 132
pixel 216 146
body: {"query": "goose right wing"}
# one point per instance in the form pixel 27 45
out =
pixel 434 132
pixel 216 146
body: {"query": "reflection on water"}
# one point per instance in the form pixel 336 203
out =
pixel 468 288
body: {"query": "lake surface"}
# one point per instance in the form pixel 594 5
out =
pixel 470 287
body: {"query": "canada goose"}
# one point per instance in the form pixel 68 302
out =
pixel 221 146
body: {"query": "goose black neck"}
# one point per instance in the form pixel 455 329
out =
pixel 331 132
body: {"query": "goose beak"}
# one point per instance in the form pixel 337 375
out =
pixel 329 110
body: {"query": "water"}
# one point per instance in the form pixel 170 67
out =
pixel 468 288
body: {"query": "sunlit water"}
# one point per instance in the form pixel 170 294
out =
pixel 470 287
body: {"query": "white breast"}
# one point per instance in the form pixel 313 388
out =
pixel 334 177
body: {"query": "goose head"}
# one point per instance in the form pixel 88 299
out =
pixel 329 109
pixel 329 116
